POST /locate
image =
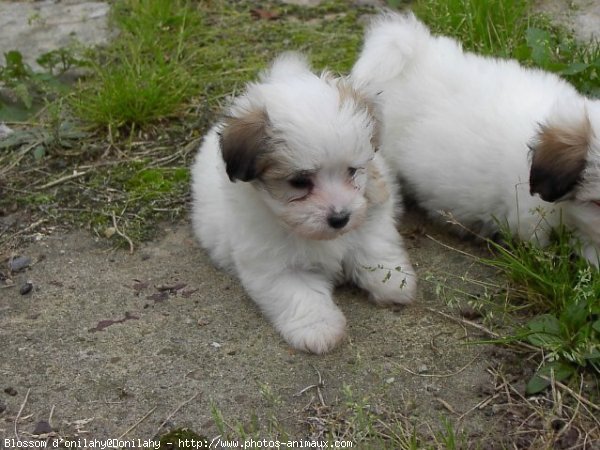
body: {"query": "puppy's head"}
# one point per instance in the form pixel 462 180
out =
pixel 565 165
pixel 305 143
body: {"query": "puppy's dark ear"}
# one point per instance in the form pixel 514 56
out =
pixel 244 140
pixel 377 190
pixel 373 112
pixel 348 92
pixel 559 159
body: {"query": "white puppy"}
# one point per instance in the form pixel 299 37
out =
pixel 479 137
pixel 289 194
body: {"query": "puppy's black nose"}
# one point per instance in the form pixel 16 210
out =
pixel 338 220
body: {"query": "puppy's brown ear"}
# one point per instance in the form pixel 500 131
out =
pixel 348 92
pixel 244 140
pixel 559 159
pixel 377 191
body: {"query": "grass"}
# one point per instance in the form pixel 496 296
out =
pixel 146 74
pixel 495 27
pixel 170 52
pixel 147 101
pixel 354 419
pixel 563 292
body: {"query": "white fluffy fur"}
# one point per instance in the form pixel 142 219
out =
pixel 457 128
pixel 275 237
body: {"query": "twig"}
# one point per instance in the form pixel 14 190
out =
pixel 136 424
pixel 574 415
pixel 30 227
pixel 316 386
pixel 446 405
pixel 120 233
pixel 574 394
pixel 480 328
pixel 465 322
pixel 50 424
pixel 19 414
pixel 51 414
pixel 320 384
pixel 482 404
pixel 306 389
pixel 62 180
pixel 177 409
pixel 462 252
pixel 439 375
pixel 19 157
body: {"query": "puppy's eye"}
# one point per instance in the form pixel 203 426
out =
pixel 301 182
pixel 352 171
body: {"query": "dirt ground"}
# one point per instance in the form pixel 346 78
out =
pixel 113 337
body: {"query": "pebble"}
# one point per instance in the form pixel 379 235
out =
pixel 11 391
pixel 19 263
pixel 26 288
pixel 42 427
pixel 4 131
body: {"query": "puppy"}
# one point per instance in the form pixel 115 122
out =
pixel 488 141
pixel 290 195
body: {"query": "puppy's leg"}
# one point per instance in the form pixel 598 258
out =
pixel 381 266
pixel 300 306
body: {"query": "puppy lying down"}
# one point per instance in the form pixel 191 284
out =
pixel 290 195
pixel 486 140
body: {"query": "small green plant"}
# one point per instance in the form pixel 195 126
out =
pixel 30 89
pixel 449 438
pixel 556 51
pixel 564 292
pixel 27 90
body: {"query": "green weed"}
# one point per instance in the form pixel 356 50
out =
pixel 555 50
pixel 30 90
pixel 564 291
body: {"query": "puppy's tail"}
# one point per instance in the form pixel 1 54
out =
pixel 391 42
pixel 287 64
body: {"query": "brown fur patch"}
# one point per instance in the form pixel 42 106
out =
pixel 559 159
pixel 377 191
pixel 348 93
pixel 244 142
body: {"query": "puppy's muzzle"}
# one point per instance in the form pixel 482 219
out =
pixel 338 220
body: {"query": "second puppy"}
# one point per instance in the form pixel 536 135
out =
pixel 290 195
pixel 484 139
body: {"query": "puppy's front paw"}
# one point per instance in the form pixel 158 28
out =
pixel 317 330
pixel 393 287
